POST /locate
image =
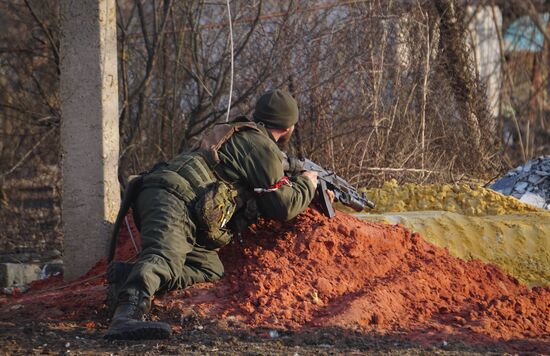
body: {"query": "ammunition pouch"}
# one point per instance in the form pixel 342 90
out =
pixel 212 212
pixel 211 201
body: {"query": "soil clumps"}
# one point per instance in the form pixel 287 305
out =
pixel 466 199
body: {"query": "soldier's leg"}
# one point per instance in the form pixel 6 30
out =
pixel 167 235
pixel 201 265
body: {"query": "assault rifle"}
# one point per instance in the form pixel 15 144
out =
pixel 343 191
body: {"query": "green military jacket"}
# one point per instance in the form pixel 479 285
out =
pixel 251 159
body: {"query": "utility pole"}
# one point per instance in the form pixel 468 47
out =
pixel 89 131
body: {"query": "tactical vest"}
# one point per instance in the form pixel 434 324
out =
pixel 198 168
pixel 190 176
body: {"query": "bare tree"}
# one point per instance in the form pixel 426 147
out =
pixel 386 89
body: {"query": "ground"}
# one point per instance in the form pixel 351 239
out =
pixel 309 286
pixel 66 338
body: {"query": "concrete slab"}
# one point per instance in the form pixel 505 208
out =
pixel 18 273
pixel 24 273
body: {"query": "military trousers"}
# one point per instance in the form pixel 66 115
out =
pixel 170 258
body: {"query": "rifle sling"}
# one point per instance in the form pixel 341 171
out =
pixel 129 195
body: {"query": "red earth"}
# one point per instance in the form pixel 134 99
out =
pixel 314 272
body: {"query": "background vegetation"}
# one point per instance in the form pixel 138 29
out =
pixel 386 89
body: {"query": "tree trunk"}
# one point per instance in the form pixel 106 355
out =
pixel 454 49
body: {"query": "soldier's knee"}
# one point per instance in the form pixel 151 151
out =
pixel 216 271
pixel 160 265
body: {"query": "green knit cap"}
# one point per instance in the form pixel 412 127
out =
pixel 276 109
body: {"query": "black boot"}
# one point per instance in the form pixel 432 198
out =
pixel 128 323
pixel 117 273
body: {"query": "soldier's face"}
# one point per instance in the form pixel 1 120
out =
pixel 285 139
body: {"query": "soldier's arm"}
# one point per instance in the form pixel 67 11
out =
pixel 264 169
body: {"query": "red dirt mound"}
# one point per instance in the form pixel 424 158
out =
pixel 351 273
pixel 347 273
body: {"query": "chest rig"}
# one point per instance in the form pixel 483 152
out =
pixel 190 174
pixel 194 177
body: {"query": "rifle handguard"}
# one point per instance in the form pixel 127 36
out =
pixel 343 191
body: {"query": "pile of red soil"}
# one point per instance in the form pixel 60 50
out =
pixel 343 272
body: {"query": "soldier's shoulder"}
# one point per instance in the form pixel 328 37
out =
pixel 256 139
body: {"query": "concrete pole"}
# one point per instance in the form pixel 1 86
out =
pixel 89 131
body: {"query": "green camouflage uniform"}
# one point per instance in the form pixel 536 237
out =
pixel 172 255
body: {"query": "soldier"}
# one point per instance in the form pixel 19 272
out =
pixel 183 207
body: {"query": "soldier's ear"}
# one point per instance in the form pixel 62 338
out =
pixel 281 131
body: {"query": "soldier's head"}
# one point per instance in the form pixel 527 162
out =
pixel 278 111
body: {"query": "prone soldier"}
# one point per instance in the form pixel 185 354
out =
pixel 183 208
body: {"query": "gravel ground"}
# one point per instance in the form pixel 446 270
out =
pixel 62 338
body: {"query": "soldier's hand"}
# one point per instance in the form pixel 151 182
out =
pixel 331 195
pixel 312 175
